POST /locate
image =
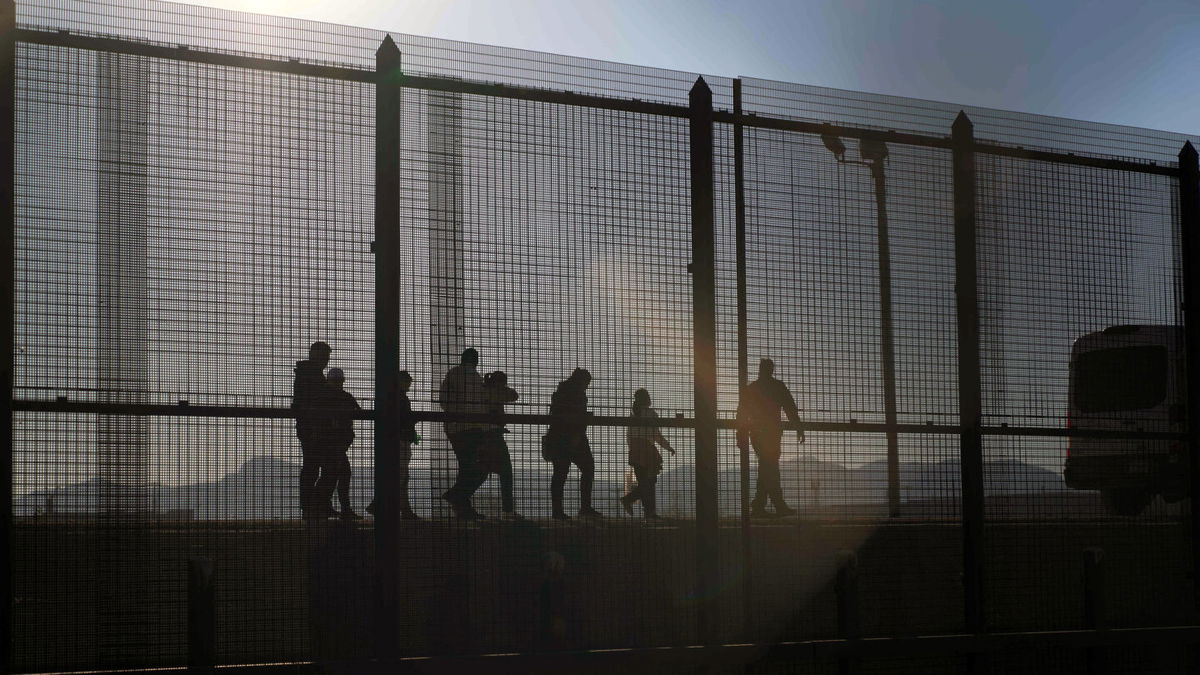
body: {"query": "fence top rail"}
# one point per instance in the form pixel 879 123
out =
pixel 61 38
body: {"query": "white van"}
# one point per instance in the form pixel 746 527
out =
pixel 1128 378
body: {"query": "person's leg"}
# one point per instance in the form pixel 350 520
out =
pixel 648 484
pixel 562 467
pixel 310 468
pixel 405 506
pixel 639 493
pixel 322 491
pixel 506 478
pixel 341 476
pixel 459 494
pixel 760 487
pixel 774 444
pixel 587 475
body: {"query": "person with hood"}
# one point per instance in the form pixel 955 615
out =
pixel 566 443
pixel 758 423
pixel 462 393
pixel 493 453
pixel 336 472
pixel 311 401
pixel 644 456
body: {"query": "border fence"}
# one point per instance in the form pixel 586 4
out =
pixel 192 197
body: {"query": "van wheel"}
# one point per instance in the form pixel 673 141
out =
pixel 1125 501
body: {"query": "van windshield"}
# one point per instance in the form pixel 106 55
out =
pixel 1124 378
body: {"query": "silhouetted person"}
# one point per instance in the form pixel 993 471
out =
pixel 758 422
pixel 462 393
pixel 493 454
pixel 566 443
pixel 311 399
pixel 644 456
pixel 407 437
pixel 335 470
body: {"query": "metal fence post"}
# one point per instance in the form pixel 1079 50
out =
pixel 8 74
pixel 739 207
pixel 970 405
pixel 201 615
pixel 387 341
pixel 1189 231
pixel 704 333
pixel 848 616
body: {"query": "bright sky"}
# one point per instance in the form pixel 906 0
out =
pixel 1129 62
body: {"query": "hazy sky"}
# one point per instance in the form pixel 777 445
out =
pixel 1129 62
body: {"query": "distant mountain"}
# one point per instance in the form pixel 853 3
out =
pixel 264 487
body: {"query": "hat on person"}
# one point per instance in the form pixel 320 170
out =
pixel 336 375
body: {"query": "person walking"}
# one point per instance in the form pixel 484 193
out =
pixel 407 437
pixel 336 472
pixel 461 393
pixel 644 456
pixel 311 401
pixel 566 443
pixel 493 453
pixel 758 423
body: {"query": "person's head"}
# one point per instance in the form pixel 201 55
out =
pixel 641 399
pixel 766 368
pixel 336 377
pixel 470 357
pixel 497 378
pixel 404 380
pixel 318 353
pixel 581 377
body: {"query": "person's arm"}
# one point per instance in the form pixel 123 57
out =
pixel 508 395
pixel 658 436
pixel 792 411
pixel 446 391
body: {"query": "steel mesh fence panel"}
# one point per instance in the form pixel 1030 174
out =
pixel 185 230
pixel 171 220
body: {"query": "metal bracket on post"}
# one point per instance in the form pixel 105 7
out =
pixel 387 343
pixel 704 334
pixel 1189 232
pixel 970 400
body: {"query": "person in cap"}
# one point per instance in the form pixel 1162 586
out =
pixel 311 400
pixel 566 443
pixel 758 423
pixel 461 393
pixel 336 471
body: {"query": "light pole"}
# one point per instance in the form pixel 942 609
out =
pixel 873 153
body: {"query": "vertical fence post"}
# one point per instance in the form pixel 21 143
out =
pixel 1189 231
pixel 970 401
pixel 739 207
pixel 201 615
pixel 704 333
pixel 849 619
pixel 8 64
pixel 387 342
